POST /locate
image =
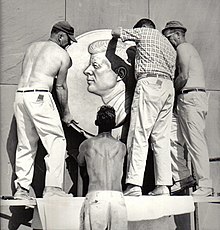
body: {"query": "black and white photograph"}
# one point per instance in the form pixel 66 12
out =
pixel 110 115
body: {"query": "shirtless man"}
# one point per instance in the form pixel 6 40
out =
pixel 191 112
pixel 36 113
pixel 104 206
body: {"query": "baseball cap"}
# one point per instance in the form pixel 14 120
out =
pixel 174 25
pixel 67 28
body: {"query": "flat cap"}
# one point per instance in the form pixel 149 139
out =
pixel 67 28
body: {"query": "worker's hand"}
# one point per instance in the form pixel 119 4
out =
pixel 68 119
pixel 116 32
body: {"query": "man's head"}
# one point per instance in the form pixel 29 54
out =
pixel 63 33
pixel 174 31
pixel 108 65
pixel 105 119
pixel 145 22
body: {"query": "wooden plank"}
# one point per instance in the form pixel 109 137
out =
pixel 13 202
pixel 27 203
pixel 210 199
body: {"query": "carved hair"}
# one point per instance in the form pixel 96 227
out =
pixel 115 51
pixel 100 46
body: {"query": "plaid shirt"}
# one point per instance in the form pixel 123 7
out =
pixel 154 54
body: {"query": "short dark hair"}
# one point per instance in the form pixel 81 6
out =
pixel 106 118
pixel 145 22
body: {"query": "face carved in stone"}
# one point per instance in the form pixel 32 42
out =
pixel 101 79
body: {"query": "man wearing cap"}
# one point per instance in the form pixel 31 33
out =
pixel 44 63
pixel 190 114
pixel 152 104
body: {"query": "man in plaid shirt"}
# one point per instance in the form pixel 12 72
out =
pixel 151 110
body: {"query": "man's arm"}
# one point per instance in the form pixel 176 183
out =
pixel 62 91
pixel 126 34
pixel 124 149
pixel 183 60
pixel 81 157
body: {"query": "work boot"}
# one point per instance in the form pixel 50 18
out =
pixel 203 192
pixel 22 194
pixel 133 190
pixel 183 184
pixel 160 190
pixel 55 192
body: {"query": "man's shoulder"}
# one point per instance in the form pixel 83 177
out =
pixel 118 143
pixel 123 145
pixel 59 53
pixel 85 142
pixel 35 45
pixel 185 46
pixel 89 142
pixel 185 49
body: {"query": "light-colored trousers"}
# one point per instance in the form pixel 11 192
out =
pixel 104 210
pixel 151 116
pixel 37 117
pixel 179 164
pixel 189 128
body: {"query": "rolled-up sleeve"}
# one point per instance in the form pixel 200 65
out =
pixel 130 35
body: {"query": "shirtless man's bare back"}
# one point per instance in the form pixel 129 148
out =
pixel 104 206
pixel 104 162
pixel 36 113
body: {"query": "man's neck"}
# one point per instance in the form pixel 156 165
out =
pixel 104 132
pixel 181 41
pixel 53 40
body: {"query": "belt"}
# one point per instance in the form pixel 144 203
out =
pixel 157 75
pixel 32 90
pixel 184 91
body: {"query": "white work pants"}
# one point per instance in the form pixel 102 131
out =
pixel 151 115
pixel 180 170
pixel 104 210
pixel 37 116
pixel 192 111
